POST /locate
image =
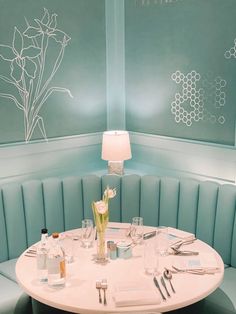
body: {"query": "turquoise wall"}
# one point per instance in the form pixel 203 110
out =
pixel 180 68
pixel 52 68
pixel 125 63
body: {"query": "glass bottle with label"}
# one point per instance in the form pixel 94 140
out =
pixel 56 263
pixel 41 256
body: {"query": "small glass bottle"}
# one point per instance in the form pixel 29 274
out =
pixel 56 263
pixel 42 251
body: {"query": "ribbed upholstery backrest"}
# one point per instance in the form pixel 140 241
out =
pixel 204 208
pixel 53 204
pixel 224 224
pixel 233 246
pixel 15 219
pixel 92 191
pixel 130 197
pixel 34 209
pixel 73 202
pixel 3 233
pixel 150 200
pixel 207 202
pixel 169 202
pixel 188 205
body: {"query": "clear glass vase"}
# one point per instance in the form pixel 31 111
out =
pixel 101 248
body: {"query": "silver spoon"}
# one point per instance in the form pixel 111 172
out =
pixel 168 275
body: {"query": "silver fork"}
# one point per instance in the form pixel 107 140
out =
pixel 196 271
pixel 104 288
pixel 178 244
pixel 99 287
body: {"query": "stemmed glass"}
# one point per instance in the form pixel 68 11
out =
pixel 136 231
pixel 87 234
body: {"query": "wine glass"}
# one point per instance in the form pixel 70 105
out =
pixel 87 234
pixel 136 231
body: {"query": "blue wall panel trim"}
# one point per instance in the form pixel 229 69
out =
pixel 115 62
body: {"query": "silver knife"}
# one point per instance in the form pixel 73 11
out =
pixel 149 235
pixel 164 285
pixel 184 253
pixel 159 288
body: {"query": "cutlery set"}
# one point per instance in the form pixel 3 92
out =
pixel 197 271
pixel 183 253
pixel 167 276
pixel 146 236
pixel 31 253
pixel 177 245
pixel 102 285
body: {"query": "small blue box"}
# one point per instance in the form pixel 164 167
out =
pixel 124 250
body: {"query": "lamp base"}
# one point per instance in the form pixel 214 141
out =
pixel 116 167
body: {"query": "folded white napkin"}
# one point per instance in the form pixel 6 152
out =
pixel 135 293
pixel 183 235
pixel 116 230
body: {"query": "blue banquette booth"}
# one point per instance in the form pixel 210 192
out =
pixel 205 208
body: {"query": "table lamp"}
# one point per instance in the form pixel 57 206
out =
pixel 116 149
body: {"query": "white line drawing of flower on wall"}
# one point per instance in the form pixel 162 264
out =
pixel 29 72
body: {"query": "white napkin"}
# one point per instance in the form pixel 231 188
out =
pixel 135 293
pixel 116 230
pixel 183 235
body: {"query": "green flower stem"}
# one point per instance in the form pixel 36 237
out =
pixel 101 253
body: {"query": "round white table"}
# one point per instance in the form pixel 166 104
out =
pixel 80 295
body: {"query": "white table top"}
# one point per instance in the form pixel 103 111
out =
pixel 80 295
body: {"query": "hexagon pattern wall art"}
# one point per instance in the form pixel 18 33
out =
pixel 231 53
pixel 198 93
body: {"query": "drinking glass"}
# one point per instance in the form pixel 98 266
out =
pixel 67 244
pixel 136 231
pixel 162 240
pixel 87 234
pixel 151 257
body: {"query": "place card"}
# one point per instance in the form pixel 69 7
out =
pixel 203 260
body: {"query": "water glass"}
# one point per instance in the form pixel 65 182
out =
pixel 87 234
pixel 151 257
pixel 67 244
pixel 162 240
pixel 136 231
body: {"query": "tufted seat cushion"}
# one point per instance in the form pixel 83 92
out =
pixel 7 269
pixel 13 299
pixel 223 300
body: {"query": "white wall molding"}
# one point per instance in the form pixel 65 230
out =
pixel 183 157
pixel 54 144
pixel 58 156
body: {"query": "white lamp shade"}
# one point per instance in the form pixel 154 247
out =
pixel 116 146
